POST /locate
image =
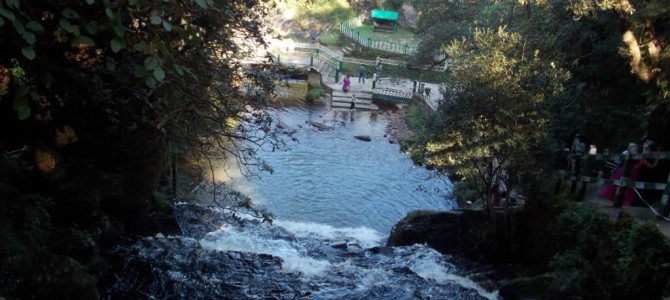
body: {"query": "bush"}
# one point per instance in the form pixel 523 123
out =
pixel 314 94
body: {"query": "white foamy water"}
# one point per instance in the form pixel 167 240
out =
pixel 294 241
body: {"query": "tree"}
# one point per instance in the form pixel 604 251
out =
pixel 494 107
pixel 645 30
pixel 95 96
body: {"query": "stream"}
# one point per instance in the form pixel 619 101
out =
pixel 334 199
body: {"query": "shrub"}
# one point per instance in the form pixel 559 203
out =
pixel 314 94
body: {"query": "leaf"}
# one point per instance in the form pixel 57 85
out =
pixel 109 13
pixel 116 45
pixel 24 112
pixel 90 2
pixel 35 26
pixel 155 20
pixel 150 63
pixel 167 26
pixel 28 52
pixel 92 28
pixel 18 26
pixel 7 14
pixel 66 25
pixel 87 40
pixel 179 70
pixel 29 37
pixel 132 2
pixel 2 21
pixel 150 82
pixel 70 14
pixel 202 3
pixel 119 30
pixel 140 47
pixel 140 71
pixel 159 74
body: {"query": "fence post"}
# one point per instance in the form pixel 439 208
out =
pixel 406 48
pixel 358 36
pixel 369 42
pixel 278 59
pixel 311 59
pixel 620 190
pixel 664 199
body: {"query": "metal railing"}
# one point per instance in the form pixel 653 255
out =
pixel 588 167
pixel 347 29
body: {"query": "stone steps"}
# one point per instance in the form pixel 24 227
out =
pixel 342 100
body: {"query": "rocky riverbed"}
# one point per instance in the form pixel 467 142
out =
pixel 397 128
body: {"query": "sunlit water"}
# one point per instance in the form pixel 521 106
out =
pixel 329 177
pixel 334 199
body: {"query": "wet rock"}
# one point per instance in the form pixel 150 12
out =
pixel 381 250
pixel 363 137
pixel 540 287
pixel 339 245
pixel 282 125
pixel 320 126
pixel 452 232
pixel 196 221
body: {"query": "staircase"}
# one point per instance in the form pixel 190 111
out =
pixel 341 101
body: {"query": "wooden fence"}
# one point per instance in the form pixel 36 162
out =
pixel 347 29
pixel 587 166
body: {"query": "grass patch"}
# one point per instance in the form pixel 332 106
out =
pixel 331 39
pixel 402 36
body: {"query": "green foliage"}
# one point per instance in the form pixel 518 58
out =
pixel 644 31
pixel 315 93
pixel 318 16
pixel 99 88
pixel 494 106
pixel 419 121
pixel 465 192
pixel 394 4
pixel 330 39
pixel 597 259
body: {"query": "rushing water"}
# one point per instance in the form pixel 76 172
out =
pixel 334 199
pixel 329 177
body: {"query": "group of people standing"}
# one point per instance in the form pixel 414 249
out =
pixel 642 170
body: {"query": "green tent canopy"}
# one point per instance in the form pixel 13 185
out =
pixel 385 14
pixel 385 19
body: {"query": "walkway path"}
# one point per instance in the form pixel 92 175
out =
pixel 397 83
pixel 641 213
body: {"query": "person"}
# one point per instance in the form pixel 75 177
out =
pixel 609 191
pixel 379 70
pixel 353 102
pixel 361 74
pixel 346 84
pixel 648 171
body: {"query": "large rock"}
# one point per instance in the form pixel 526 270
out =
pixel 452 232
pixel 541 287
pixel 408 17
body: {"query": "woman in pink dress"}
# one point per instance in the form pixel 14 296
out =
pixel 609 191
pixel 345 86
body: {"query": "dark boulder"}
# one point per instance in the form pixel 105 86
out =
pixel 540 287
pixel 452 232
pixel 363 137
